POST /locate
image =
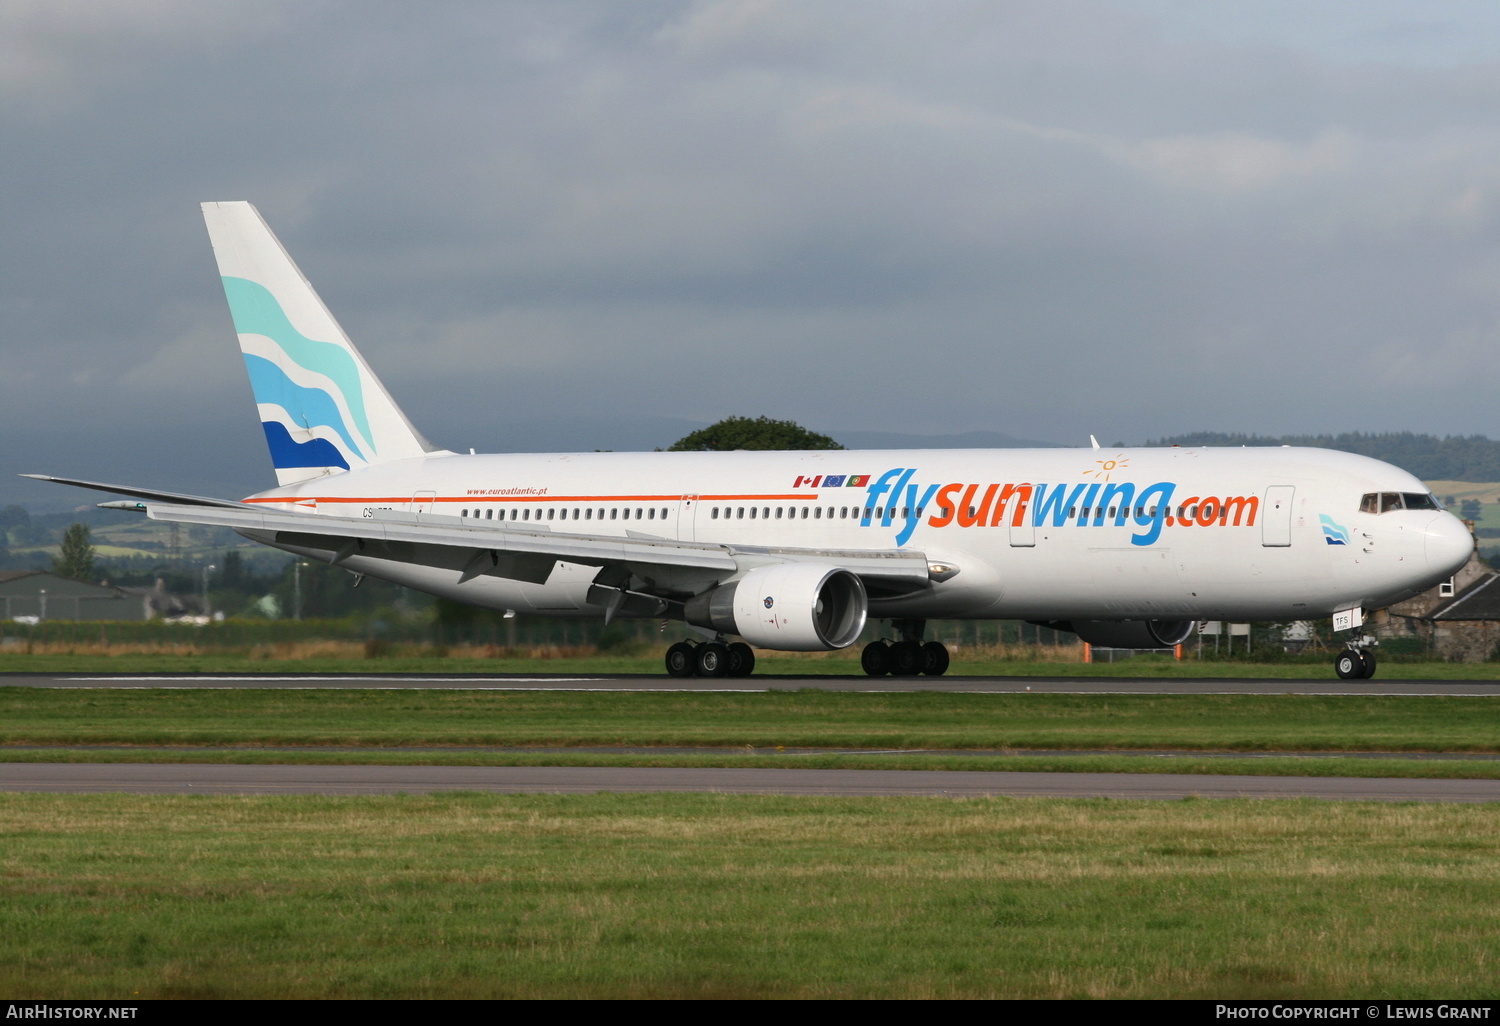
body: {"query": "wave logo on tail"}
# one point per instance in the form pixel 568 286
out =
pixel 309 394
pixel 1333 533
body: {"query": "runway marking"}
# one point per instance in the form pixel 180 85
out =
pixel 328 682
pixel 260 677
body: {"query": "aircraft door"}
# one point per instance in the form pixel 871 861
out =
pixel 1276 519
pixel 687 509
pixel 421 502
pixel 1022 526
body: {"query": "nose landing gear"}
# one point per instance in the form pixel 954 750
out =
pixel 1355 664
pixel 1357 661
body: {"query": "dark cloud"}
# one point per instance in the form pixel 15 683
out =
pixel 1042 220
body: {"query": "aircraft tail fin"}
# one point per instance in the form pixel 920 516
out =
pixel 323 410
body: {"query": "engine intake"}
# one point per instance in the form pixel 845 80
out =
pixel 792 607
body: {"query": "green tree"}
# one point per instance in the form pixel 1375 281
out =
pixel 752 433
pixel 75 558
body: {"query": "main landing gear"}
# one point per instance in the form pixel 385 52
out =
pixel 710 659
pixel 907 657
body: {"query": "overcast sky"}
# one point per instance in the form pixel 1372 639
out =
pixel 592 224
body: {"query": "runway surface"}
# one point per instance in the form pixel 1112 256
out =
pixel 146 778
pixel 642 682
pixel 178 778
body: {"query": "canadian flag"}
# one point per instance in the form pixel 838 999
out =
pixel 811 482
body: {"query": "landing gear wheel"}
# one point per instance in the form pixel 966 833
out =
pixel 713 660
pixel 741 660
pixel 876 659
pixel 934 659
pixel 1367 660
pixel 681 660
pixel 906 659
pixel 1349 665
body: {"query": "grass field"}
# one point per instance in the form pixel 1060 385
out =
pixel 754 729
pixel 717 896
pixel 954 721
pixel 673 896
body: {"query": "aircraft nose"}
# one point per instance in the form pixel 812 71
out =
pixel 1449 544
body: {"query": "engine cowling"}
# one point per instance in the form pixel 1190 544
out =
pixel 1131 633
pixel 792 607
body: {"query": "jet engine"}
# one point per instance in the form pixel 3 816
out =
pixel 1128 633
pixel 792 607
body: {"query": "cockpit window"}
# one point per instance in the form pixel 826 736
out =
pixel 1385 502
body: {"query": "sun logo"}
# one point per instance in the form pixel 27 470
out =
pixel 1107 467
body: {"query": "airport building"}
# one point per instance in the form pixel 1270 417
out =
pixel 25 594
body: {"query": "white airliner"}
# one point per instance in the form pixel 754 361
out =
pixel 793 551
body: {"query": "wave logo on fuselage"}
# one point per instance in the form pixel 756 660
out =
pixel 894 500
pixel 1333 533
pixel 309 393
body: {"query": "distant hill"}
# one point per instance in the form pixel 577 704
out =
pixel 968 440
pixel 1454 458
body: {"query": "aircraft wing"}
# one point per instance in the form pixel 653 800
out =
pixel 152 494
pixel 662 567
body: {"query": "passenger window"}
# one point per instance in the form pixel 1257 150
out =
pixel 588 514
pixel 489 514
pixel 778 512
pixel 713 514
pixel 739 513
pixel 551 513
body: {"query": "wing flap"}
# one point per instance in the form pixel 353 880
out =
pixel 517 553
pixel 485 547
